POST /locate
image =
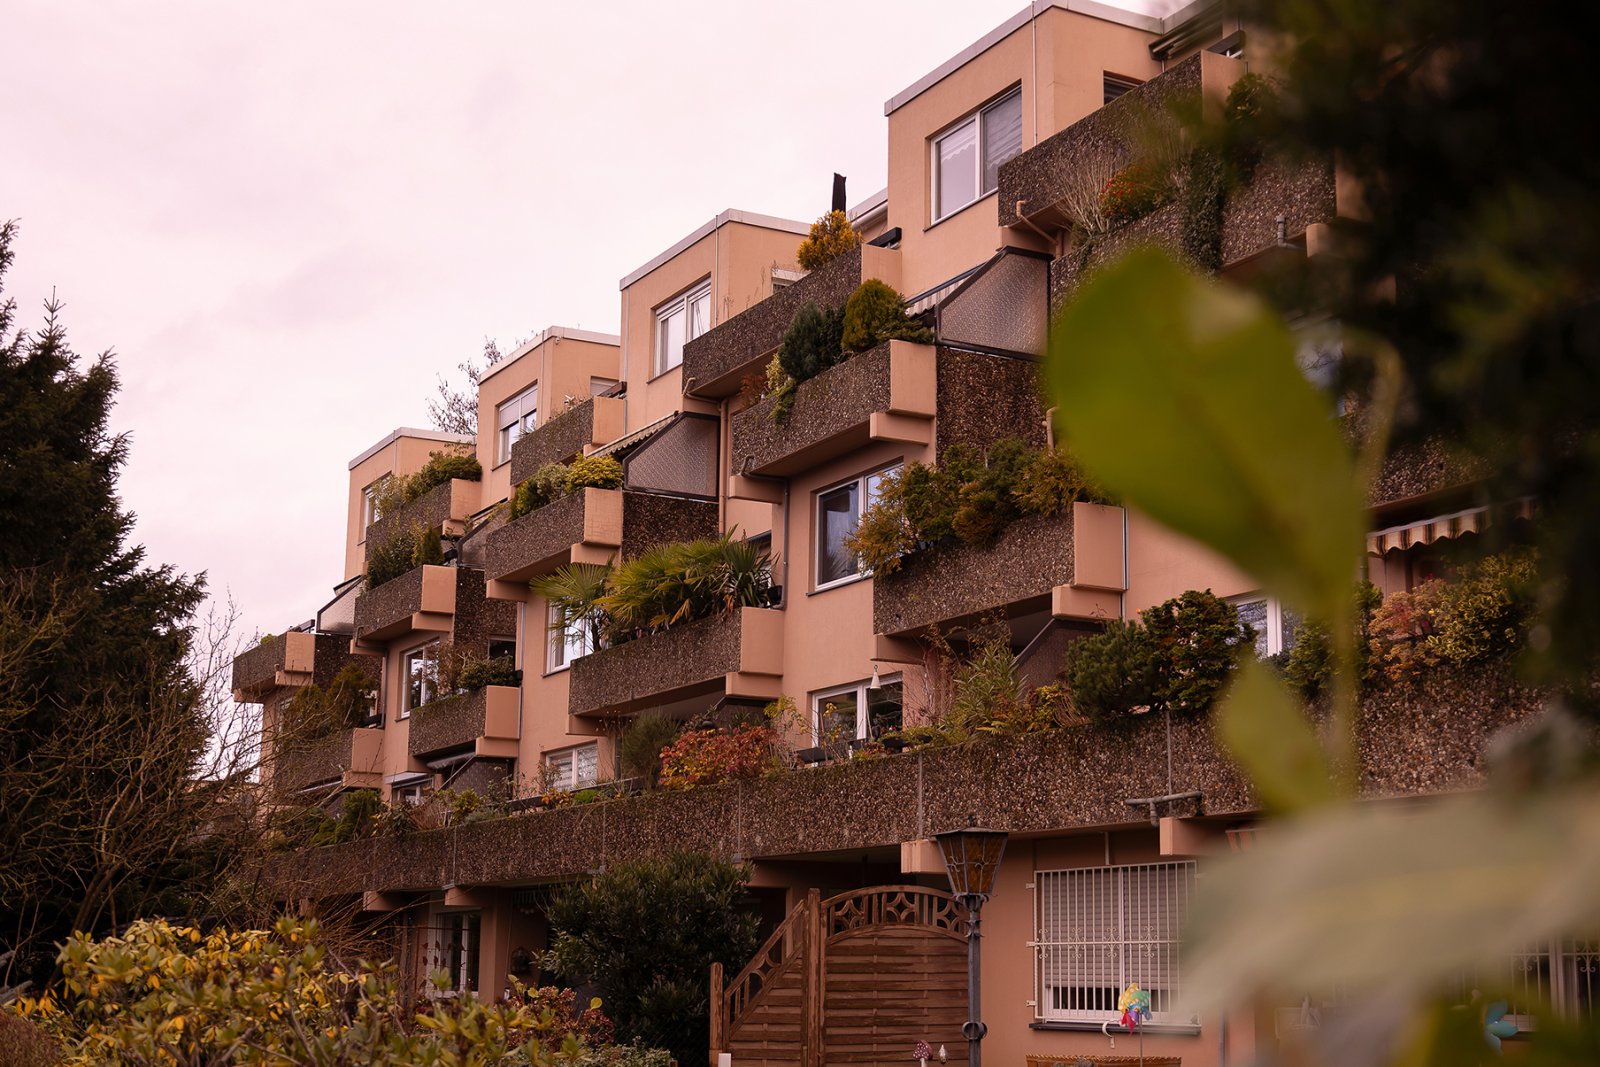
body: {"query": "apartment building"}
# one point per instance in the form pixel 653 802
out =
pixel 986 158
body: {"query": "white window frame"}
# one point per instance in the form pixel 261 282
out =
pixel 443 932
pixel 425 653
pixel 977 119
pixel 1101 913
pixel 859 690
pixel 1275 620
pixel 370 511
pixel 564 646
pixel 412 791
pixel 568 774
pixel 866 486
pixel 513 419
pixel 683 304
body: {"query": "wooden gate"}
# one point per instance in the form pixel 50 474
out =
pixel 858 978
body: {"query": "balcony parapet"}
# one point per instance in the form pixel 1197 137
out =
pixel 739 654
pixel 484 721
pixel 715 363
pixel 1426 738
pixel 446 508
pixel 350 759
pixel 591 526
pixel 289 660
pixel 573 432
pixel 423 598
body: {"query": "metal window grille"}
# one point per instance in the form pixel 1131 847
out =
pixel 448 944
pixel 1099 928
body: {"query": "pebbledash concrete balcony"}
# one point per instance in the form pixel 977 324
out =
pixel 735 655
pixel 1071 563
pixel 1419 739
pixel 484 721
pixel 292 659
pixel 349 759
pixel 715 363
pixel 573 432
pixel 445 507
pixel 421 599
pixel 590 526
pixel 896 392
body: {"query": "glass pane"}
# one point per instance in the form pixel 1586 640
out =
pixel 669 351
pixel 836 718
pixel 1002 137
pixel 700 314
pixel 509 413
pixel 837 514
pixel 1291 622
pixel 1254 612
pixel 883 709
pixel 587 760
pixel 956 183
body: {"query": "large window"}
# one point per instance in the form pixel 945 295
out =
pixel 838 513
pixel 856 712
pixel 1276 626
pixel 967 156
pixel 567 644
pixel 573 768
pixel 515 417
pixel 679 320
pixel 1100 928
pixel 453 949
pixel 419 674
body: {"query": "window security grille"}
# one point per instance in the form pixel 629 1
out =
pixel 1100 928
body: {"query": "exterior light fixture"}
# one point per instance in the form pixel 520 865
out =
pixel 972 859
pixel 876 683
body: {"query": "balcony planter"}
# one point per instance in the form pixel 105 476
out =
pixel 484 720
pixel 739 654
pixel 421 599
pixel 445 507
pixel 347 758
pixel 716 362
pixel 595 422
pixel 592 526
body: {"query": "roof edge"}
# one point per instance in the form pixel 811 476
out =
pixel 413 432
pixel 551 333
pixel 748 218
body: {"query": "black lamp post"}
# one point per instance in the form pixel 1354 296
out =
pixel 972 859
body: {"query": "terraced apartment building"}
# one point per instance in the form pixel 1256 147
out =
pixel 988 157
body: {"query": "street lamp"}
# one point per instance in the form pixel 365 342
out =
pixel 972 859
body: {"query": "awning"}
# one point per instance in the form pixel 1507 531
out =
pixel 1440 527
pixel 643 433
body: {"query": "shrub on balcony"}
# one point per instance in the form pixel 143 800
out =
pixel 875 313
pixel 478 673
pixel 711 757
pixel 831 236
pixel 642 744
pixel 548 484
pixel 813 342
pixel 1134 192
pixel 594 472
pixel 1111 673
pixel 683 582
pixel 402 553
pixel 440 468
pixel 315 712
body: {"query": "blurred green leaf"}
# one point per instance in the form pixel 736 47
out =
pixel 1268 733
pixel 1184 397
pixel 1363 899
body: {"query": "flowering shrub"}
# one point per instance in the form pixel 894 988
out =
pixel 708 757
pixel 1132 193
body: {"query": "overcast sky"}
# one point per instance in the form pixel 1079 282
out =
pixel 287 218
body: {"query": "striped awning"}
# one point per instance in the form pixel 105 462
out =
pixel 643 433
pixel 1440 527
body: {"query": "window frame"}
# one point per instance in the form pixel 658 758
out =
pixel 561 640
pixel 456 939
pixel 502 427
pixel 864 484
pixel 863 715
pixel 1125 925
pixel 1276 613
pixel 980 141
pixel 427 653
pixel 568 758
pixel 370 512
pixel 684 302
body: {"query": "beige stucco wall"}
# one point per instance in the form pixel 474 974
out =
pixel 403 453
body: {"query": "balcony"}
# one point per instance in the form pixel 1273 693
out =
pixel 573 432
pixel 484 721
pixel 1070 563
pixel 716 362
pixel 734 655
pixel 295 658
pixel 420 599
pixel 592 526
pixel 445 507
pixel 350 759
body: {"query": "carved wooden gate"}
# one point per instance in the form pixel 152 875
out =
pixel 858 978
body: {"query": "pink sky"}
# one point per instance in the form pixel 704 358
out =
pixel 287 218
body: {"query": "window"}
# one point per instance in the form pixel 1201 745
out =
pixel 453 949
pixel 503 648
pixel 371 508
pixel 679 320
pixel 1117 84
pixel 601 386
pixel 412 792
pixel 967 156
pixel 515 417
pixel 419 673
pixel 1561 975
pixel 566 645
pixel 1099 928
pixel 573 768
pixel 838 512
pixel 856 712
pixel 1276 626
